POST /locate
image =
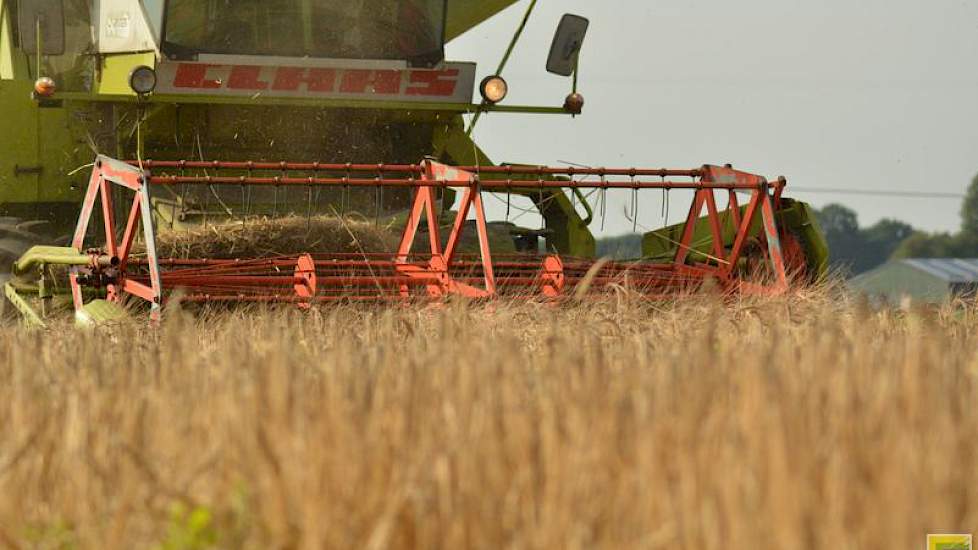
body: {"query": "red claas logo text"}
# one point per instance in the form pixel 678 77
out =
pixel 252 78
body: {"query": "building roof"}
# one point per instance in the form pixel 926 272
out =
pixel 951 270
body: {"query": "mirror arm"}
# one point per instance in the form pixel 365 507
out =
pixel 577 67
pixel 39 44
pixel 516 38
pixel 46 20
pixel 505 60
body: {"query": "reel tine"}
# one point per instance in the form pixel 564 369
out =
pixel 207 206
pixel 377 206
pixel 634 206
pixel 309 208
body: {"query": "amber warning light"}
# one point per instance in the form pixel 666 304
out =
pixel 44 87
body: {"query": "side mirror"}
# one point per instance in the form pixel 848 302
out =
pixel 49 15
pixel 567 45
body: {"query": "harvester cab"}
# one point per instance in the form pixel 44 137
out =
pixel 359 81
pixel 206 111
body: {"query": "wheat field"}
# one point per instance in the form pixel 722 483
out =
pixel 810 422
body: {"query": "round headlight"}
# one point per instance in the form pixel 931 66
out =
pixel 142 80
pixel 493 89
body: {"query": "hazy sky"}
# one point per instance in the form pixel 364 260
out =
pixel 874 94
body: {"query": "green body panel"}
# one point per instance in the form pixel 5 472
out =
pixel 98 312
pixel 406 108
pixel 794 217
pixel 30 317
pixel 19 148
pixel 10 66
pixel 39 256
pixel 41 146
pixel 799 218
pixel 41 143
pixel 115 69
pixel 34 287
pixel 466 14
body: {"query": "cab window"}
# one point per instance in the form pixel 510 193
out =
pixel 72 68
pixel 359 29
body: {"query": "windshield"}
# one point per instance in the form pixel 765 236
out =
pixel 351 29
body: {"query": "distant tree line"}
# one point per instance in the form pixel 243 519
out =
pixel 621 247
pixel 963 244
pixel 854 249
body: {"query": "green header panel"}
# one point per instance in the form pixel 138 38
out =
pixel 466 14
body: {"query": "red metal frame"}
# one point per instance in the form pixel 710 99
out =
pixel 441 261
pixel 761 202
pixel 439 270
pixel 107 173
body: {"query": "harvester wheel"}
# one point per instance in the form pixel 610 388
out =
pixel 797 259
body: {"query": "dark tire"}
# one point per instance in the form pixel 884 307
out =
pixel 795 250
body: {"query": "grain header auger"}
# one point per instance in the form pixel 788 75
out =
pixel 352 83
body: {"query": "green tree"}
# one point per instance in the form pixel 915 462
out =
pixel 840 225
pixel 969 210
pixel 622 247
pixel 881 240
pixel 926 245
pixel 836 219
pixel 854 249
pixel 963 244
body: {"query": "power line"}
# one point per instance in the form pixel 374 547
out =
pixel 877 193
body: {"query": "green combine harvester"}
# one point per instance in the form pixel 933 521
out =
pixel 212 110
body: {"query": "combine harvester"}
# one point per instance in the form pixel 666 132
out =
pixel 334 87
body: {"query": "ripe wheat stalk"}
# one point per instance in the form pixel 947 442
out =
pixel 804 422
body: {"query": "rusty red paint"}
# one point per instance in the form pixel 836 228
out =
pixel 437 270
